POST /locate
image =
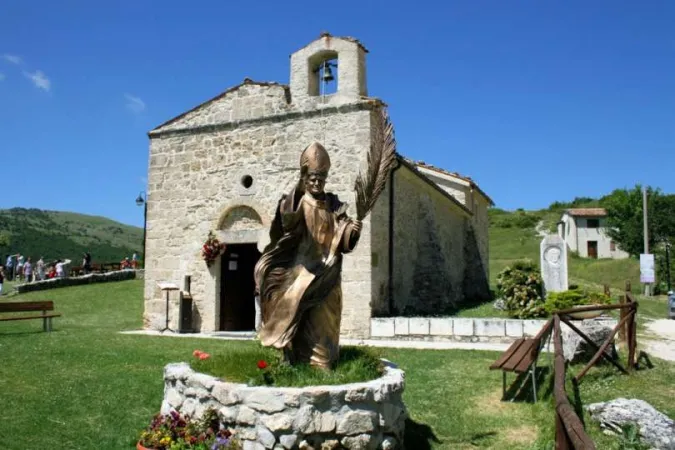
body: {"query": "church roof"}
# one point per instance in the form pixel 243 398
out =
pixel 246 82
pixel 472 183
pixel 325 34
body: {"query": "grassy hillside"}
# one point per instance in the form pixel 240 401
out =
pixel 513 236
pixel 54 234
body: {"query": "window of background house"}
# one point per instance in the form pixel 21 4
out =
pixel 592 223
pixel 612 246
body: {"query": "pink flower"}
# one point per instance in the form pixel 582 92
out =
pixel 196 353
pixel 204 356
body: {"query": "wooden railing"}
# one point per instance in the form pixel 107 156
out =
pixel 569 430
pixel 570 433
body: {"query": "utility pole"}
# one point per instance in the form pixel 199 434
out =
pixel 646 233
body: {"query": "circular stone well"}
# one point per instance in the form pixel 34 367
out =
pixel 367 415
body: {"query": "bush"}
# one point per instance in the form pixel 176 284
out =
pixel 520 285
pixel 556 301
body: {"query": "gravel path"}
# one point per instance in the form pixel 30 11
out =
pixel 664 347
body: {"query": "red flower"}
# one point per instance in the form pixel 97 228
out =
pixel 262 364
pixel 196 353
pixel 203 356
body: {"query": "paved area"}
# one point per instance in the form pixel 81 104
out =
pixel 422 345
pixel 660 341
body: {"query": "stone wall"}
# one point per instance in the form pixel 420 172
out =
pixel 196 168
pixel 369 415
pixel 429 246
pixel 118 275
pixel 464 329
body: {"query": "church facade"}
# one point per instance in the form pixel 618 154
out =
pixel 223 166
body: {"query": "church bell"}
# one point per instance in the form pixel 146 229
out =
pixel 327 72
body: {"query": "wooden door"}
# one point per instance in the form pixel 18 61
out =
pixel 237 287
pixel 593 249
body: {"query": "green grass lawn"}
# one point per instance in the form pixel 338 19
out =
pixel 85 386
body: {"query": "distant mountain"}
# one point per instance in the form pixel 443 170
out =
pixel 55 234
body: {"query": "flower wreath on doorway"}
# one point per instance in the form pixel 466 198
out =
pixel 212 249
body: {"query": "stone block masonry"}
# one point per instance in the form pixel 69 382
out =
pixel 118 275
pixel 368 415
pixel 462 329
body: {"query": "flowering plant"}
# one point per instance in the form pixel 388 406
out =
pixel 176 432
pixel 264 377
pixel 212 249
pixel 201 355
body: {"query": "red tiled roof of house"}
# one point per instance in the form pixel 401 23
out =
pixel 587 212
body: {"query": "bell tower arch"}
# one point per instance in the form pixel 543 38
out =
pixel 350 56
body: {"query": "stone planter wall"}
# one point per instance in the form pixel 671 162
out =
pixel 118 275
pixel 369 415
pixel 457 329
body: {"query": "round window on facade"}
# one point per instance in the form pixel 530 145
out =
pixel 247 181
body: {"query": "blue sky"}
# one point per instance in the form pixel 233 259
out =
pixel 537 101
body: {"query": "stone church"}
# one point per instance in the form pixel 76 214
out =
pixel 223 165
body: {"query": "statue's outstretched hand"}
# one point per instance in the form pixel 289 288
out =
pixel 357 226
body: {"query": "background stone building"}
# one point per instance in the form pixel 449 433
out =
pixel 223 166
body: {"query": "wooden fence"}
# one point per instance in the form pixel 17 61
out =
pixel 570 433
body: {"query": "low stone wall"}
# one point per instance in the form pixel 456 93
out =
pixel 368 415
pixel 118 275
pixel 457 329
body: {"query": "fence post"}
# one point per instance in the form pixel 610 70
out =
pixel 622 315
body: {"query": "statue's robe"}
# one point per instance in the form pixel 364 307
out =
pixel 299 276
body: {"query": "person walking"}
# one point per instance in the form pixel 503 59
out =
pixel 86 263
pixel 9 267
pixel 27 271
pixel 2 277
pixel 40 269
pixel 19 265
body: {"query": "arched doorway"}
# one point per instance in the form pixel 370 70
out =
pixel 241 227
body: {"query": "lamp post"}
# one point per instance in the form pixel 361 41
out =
pixel 668 264
pixel 142 200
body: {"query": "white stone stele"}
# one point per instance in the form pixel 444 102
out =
pixel 553 250
pixel 368 415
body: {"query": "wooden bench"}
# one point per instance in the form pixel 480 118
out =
pixel 16 307
pixel 521 358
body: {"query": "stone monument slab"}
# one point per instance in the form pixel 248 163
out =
pixel 554 263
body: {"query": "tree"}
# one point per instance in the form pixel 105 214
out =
pixel 625 221
pixel 4 239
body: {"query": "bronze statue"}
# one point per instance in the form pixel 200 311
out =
pixel 298 277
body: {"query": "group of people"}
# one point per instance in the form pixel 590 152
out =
pixel 20 268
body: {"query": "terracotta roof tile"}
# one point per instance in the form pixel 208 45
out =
pixel 587 212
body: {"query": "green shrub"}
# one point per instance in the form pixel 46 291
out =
pixel 556 301
pixel 520 286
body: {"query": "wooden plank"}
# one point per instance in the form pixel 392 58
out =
pixel 523 351
pixel 529 359
pixel 593 344
pixel 603 347
pixel 10 318
pixel 632 337
pixel 590 308
pixel 570 433
pixel 26 306
pixel 507 354
pixel 574 428
pixel 622 315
